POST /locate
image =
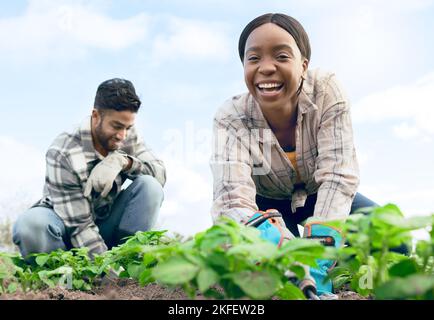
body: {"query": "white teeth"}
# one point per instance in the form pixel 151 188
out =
pixel 268 85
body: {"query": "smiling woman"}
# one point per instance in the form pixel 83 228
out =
pixel 287 144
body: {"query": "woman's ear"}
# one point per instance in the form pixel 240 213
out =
pixel 305 65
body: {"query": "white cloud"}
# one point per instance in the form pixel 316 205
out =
pixel 406 131
pixel 191 40
pixel 66 29
pixel 23 173
pixel 413 201
pixel 390 5
pixel 411 105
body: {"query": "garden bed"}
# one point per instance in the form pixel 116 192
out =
pixel 125 289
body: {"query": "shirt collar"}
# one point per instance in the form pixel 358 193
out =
pixel 256 119
pixel 305 104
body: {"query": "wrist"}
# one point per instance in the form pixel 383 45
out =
pixel 128 164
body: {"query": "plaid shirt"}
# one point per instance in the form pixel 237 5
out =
pixel 69 161
pixel 248 160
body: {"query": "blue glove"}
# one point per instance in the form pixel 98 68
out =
pixel 328 236
pixel 271 226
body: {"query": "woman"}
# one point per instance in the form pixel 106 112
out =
pixel 287 144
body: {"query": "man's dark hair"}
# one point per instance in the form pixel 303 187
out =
pixel 292 26
pixel 117 94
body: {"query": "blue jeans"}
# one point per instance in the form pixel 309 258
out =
pixel 292 220
pixel 136 208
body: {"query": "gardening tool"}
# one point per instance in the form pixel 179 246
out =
pixel 271 226
pixel 307 284
pixel 328 236
pixel 273 229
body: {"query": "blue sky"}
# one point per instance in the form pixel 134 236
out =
pixel 182 57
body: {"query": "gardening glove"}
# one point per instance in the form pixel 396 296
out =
pixel 271 226
pixel 328 236
pixel 104 173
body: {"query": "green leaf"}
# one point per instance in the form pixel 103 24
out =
pixel 290 292
pixel 206 278
pixel 257 284
pixel 404 268
pixel 412 223
pixel 302 245
pixel 7 267
pixel 213 238
pixel 78 284
pixel 134 270
pixel 175 270
pixel 12 287
pixel 41 260
pixel 256 251
pixel 388 209
pixel 219 260
pixel 403 288
pixel 145 277
pixel 298 270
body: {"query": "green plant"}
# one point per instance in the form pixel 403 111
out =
pixel 368 262
pixel 73 268
pixel 229 260
pixel 129 258
pixel 8 271
pixel 413 277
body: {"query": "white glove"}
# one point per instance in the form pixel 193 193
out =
pixel 102 176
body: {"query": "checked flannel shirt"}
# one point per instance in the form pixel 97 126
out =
pixel 69 161
pixel 248 160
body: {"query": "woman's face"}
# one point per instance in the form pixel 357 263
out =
pixel 273 66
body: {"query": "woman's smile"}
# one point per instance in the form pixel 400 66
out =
pixel 269 89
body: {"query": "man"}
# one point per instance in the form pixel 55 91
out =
pixel 83 204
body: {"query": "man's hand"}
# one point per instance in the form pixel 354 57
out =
pixel 102 176
pixel 271 226
pixel 328 236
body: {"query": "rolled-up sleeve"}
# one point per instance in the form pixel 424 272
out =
pixel 337 172
pixel 233 187
pixel 66 193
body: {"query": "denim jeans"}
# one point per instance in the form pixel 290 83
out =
pixel 136 208
pixel 292 220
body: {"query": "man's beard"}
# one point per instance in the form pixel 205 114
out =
pixel 103 139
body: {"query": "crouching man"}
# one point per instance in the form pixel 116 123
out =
pixel 83 204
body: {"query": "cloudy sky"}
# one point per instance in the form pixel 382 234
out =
pixel 182 57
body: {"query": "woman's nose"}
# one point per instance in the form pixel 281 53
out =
pixel 267 66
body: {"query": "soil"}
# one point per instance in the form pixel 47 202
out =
pixel 125 289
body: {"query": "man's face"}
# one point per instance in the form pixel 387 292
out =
pixel 110 128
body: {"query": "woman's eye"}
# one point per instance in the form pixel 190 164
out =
pixel 282 57
pixel 253 58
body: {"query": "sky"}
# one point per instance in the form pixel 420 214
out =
pixel 182 58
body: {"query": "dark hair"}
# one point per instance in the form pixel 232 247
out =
pixel 117 94
pixel 292 26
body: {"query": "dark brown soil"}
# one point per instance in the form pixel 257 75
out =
pixel 123 289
